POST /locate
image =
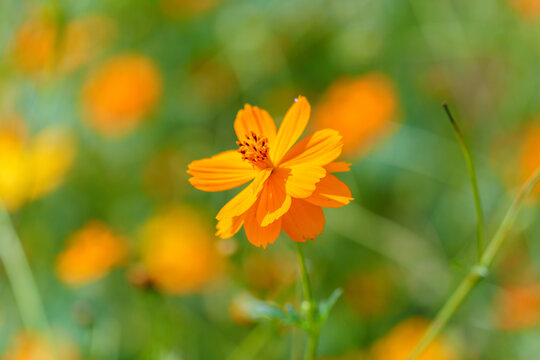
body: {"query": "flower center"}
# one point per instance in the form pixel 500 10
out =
pixel 255 150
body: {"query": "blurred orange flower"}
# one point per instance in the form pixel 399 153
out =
pixel 517 307
pixel 290 184
pixel 41 45
pixel 36 347
pixel 527 8
pixel 400 341
pixel 529 156
pixel 118 96
pixel 90 254
pixel 83 39
pixel 179 252
pixel 35 44
pixel 362 109
pixel 33 167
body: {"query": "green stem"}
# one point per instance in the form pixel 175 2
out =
pixel 313 328
pixel 474 182
pixel 20 276
pixel 477 272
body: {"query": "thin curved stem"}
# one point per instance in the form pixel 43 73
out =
pixel 313 330
pixel 20 276
pixel 474 183
pixel 477 272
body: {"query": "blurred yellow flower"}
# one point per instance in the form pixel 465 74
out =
pixel 90 254
pixel 362 109
pixel 179 251
pixel 119 94
pixel 517 307
pixel 50 155
pixel 29 346
pixel 529 9
pixel 32 167
pixel 42 45
pixel 400 341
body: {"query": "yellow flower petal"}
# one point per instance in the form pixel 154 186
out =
pixel 245 198
pixel 291 129
pixel 320 148
pixel 251 118
pixel 301 180
pixel 260 235
pixel 227 227
pixel 220 172
pixel 273 201
pixel 303 221
pixel 330 192
pixel 338 166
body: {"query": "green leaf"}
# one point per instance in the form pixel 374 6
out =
pixel 326 306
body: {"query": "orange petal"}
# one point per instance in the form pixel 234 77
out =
pixel 330 192
pixel 338 166
pixel 251 118
pixel 301 180
pixel 245 198
pixel 291 128
pixel 273 202
pixel 257 234
pixel 229 226
pixel 303 221
pixel 320 148
pixel 221 172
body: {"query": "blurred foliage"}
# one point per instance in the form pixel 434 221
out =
pixel 104 103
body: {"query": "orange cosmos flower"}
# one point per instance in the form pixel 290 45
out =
pixel 290 182
pixel 362 109
pixel 121 93
pixel 401 340
pixel 179 252
pixel 92 252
